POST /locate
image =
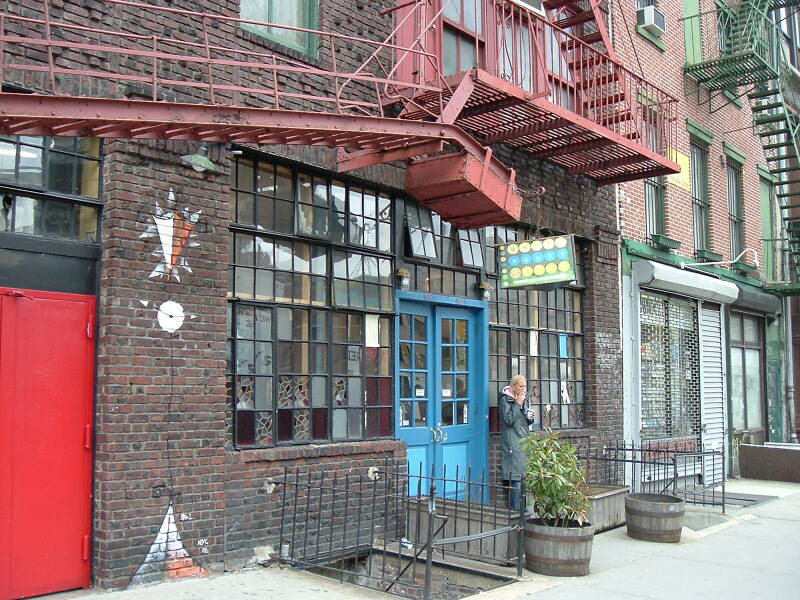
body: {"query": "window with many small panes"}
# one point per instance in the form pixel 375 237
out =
pixel 60 177
pixel 537 334
pixel 309 350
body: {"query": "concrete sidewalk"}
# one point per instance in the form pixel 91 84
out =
pixel 751 552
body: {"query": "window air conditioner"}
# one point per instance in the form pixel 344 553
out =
pixel 652 20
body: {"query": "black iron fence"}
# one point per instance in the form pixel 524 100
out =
pixel 397 532
pixel 677 468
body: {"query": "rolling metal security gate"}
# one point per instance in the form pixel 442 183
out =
pixel 670 370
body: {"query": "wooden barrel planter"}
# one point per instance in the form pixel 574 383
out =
pixel 559 551
pixel 654 517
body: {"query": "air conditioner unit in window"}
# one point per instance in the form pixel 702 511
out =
pixel 652 20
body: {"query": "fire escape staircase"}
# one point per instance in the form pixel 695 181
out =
pixel 743 55
pixel 562 98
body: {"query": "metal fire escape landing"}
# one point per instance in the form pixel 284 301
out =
pixel 189 75
pixel 738 47
pixel 542 86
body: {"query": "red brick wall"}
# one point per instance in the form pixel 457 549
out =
pixel 160 398
pixel 727 121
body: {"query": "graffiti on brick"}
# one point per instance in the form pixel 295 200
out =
pixel 174 229
pixel 170 315
pixel 167 558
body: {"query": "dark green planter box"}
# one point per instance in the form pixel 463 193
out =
pixel 708 256
pixel 663 242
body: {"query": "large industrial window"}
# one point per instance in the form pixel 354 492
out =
pixel 61 179
pixel 440 258
pixel 735 207
pixel 670 369
pixel 746 373
pixel 538 334
pixel 700 197
pixel 302 14
pixel 309 352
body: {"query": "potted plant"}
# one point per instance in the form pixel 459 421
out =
pixel 558 540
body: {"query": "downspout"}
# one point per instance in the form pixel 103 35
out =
pixel 789 368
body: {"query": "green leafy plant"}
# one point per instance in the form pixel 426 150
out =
pixel 555 479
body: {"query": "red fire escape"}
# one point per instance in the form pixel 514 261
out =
pixel 452 78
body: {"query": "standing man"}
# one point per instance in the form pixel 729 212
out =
pixel 515 427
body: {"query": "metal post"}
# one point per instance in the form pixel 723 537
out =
pixel 429 547
pixel 521 532
pixel 789 369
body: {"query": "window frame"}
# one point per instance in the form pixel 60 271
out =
pixel 701 201
pixel 655 192
pixel 734 172
pixel 310 47
pixel 377 367
pixel 742 345
pixel 463 35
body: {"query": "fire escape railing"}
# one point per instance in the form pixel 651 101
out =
pixel 547 62
pixel 185 68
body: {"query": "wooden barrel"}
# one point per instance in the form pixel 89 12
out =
pixel 559 551
pixel 654 517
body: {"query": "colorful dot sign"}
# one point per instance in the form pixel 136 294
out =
pixel 537 262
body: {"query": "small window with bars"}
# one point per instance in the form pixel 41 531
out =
pixel 654 206
pixel 735 207
pixel 700 196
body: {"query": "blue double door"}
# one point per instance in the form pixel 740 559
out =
pixel 441 393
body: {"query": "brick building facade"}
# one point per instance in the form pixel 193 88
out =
pixel 708 342
pixel 251 317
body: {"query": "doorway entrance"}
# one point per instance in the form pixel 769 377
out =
pixel 46 369
pixel 442 388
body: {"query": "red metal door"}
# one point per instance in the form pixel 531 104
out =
pixel 46 380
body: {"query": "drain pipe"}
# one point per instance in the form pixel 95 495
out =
pixel 789 368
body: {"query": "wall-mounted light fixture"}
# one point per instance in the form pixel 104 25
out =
pixel 683 265
pixel 403 278
pixel 200 161
pixel 485 289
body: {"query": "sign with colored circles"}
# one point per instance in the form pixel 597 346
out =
pixel 541 261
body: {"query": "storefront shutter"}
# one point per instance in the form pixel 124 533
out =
pixel 712 382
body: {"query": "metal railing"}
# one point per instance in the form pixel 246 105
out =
pixel 540 57
pixel 674 467
pixel 162 52
pixel 733 45
pixel 388 530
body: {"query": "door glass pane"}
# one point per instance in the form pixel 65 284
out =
pixel 752 359
pixel 421 415
pixel 405 413
pixel 447 331
pixel 447 358
pixel 420 331
pixel 736 328
pixel 750 330
pixel 420 356
pixel 419 386
pixel 461 331
pixel 405 385
pixel 462 413
pixel 447 414
pixel 737 389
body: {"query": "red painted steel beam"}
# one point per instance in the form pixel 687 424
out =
pixel 367 159
pixel 34 114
